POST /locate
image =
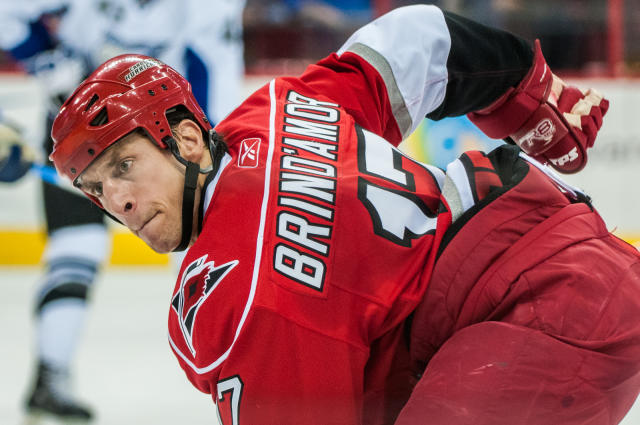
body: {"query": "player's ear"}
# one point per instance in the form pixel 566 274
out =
pixel 189 139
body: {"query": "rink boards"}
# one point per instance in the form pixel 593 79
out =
pixel 610 178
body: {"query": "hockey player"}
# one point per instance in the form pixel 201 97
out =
pixel 59 42
pixel 332 280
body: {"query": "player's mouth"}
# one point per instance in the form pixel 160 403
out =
pixel 141 228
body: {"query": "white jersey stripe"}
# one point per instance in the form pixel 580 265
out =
pixel 457 190
pixel 417 73
pixel 259 245
pixel 400 111
pixel 208 195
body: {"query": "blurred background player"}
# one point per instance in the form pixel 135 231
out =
pixel 60 42
pixel 15 156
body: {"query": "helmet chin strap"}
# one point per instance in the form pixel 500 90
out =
pixel 192 171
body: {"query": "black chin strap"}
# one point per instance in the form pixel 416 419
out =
pixel 217 149
pixel 188 200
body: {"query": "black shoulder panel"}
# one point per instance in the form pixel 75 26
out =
pixel 483 63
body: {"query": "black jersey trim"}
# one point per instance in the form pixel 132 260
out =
pixel 483 64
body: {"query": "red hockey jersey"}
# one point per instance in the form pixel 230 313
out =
pixel 315 248
pixel 319 236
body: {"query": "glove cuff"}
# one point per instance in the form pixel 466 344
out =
pixel 513 109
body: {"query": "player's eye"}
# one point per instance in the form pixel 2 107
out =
pixel 124 166
pixel 96 190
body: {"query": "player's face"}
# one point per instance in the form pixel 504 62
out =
pixel 141 185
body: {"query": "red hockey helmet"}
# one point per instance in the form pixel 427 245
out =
pixel 125 93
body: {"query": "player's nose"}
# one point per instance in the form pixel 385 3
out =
pixel 120 200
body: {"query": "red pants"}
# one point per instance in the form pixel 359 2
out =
pixel 535 320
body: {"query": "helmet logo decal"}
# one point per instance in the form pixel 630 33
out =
pixel 198 281
pixel 139 67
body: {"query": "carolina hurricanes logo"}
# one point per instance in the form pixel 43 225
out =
pixel 198 281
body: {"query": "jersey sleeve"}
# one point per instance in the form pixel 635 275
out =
pixel 419 61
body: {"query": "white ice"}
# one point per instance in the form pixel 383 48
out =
pixel 125 368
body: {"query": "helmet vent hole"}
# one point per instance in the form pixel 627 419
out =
pixel 93 100
pixel 164 87
pixel 151 93
pixel 100 119
pixel 91 151
pixel 157 122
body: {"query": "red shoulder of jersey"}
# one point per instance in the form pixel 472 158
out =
pixel 302 183
pixel 216 284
